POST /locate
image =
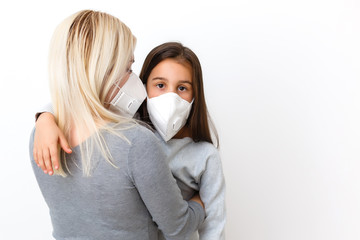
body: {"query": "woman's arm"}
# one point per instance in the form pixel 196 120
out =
pixel 46 140
pixel 150 173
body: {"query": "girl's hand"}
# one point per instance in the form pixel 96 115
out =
pixel 196 198
pixel 46 139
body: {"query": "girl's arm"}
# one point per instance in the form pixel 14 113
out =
pixel 212 193
pixel 46 140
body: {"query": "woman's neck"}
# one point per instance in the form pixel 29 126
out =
pixel 75 138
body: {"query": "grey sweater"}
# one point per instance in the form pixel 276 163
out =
pixel 197 166
pixel 132 201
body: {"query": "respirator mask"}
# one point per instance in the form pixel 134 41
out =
pixel 168 113
pixel 129 98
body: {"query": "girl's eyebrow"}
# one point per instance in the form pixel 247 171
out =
pixel 158 78
pixel 165 79
pixel 186 81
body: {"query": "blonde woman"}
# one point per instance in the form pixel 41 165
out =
pixel 116 183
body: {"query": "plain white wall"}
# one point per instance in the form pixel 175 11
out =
pixel 282 81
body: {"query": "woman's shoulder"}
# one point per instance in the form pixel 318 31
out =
pixel 139 134
pixel 140 130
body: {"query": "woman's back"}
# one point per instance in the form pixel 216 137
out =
pixel 111 203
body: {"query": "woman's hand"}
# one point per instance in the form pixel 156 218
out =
pixel 196 198
pixel 46 139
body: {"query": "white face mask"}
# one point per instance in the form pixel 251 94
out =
pixel 168 113
pixel 129 98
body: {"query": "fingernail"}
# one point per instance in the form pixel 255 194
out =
pixel 56 167
pixel 50 173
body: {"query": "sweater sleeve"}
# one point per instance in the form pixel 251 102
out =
pixel 212 193
pixel 151 175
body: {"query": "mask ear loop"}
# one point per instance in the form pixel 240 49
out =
pixel 116 85
pixel 112 93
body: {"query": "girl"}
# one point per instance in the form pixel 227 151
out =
pixel 176 107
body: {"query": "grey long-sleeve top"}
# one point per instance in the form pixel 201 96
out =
pixel 132 201
pixel 197 166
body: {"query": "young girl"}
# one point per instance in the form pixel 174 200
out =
pixel 176 108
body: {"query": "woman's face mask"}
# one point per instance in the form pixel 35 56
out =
pixel 129 97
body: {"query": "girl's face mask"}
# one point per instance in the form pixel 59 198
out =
pixel 168 113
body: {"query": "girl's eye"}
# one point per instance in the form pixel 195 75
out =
pixel 160 85
pixel 182 88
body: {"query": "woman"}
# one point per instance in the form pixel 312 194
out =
pixel 116 183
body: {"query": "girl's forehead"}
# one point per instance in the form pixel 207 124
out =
pixel 172 65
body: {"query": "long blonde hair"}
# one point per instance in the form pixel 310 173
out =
pixel 89 52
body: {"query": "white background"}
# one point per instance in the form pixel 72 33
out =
pixel 282 82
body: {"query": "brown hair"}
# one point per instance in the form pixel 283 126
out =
pixel 199 121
